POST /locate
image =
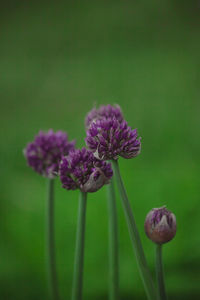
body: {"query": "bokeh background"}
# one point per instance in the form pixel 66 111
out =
pixel 59 59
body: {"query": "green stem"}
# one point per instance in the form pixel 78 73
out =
pixel 79 251
pixel 53 286
pixel 160 274
pixel 113 244
pixel 135 238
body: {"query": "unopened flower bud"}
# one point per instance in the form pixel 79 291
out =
pixel 160 225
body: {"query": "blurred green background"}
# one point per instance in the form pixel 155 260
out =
pixel 57 59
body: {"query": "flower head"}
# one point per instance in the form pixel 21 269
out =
pixel 45 152
pixel 160 225
pixel 80 169
pixel 104 111
pixel 108 138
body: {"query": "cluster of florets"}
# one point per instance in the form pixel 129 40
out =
pixel 109 136
pixel 80 169
pixel 45 152
pixel 160 225
pixel 104 111
pixel 108 139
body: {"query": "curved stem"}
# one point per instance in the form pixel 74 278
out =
pixel 135 238
pixel 113 244
pixel 53 286
pixel 79 251
pixel 160 274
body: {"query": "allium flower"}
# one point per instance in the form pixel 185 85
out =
pixel 104 111
pixel 45 152
pixel 160 225
pixel 80 169
pixel 108 138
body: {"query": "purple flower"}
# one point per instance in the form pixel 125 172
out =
pixel 160 225
pixel 108 138
pixel 104 111
pixel 45 152
pixel 81 170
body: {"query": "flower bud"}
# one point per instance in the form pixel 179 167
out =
pixel 160 225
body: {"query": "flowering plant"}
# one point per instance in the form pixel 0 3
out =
pixel 108 137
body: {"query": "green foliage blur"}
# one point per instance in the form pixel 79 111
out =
pixel 59 59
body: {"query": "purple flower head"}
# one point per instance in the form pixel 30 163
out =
pixel 104 111
pixel 81 170
pixel 160 225
pixel 109 138
pixel 45 152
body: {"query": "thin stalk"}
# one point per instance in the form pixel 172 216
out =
pixel 79 251
pixel 113 244
pixel 52 277
pixel 160 274
pixel 135 238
